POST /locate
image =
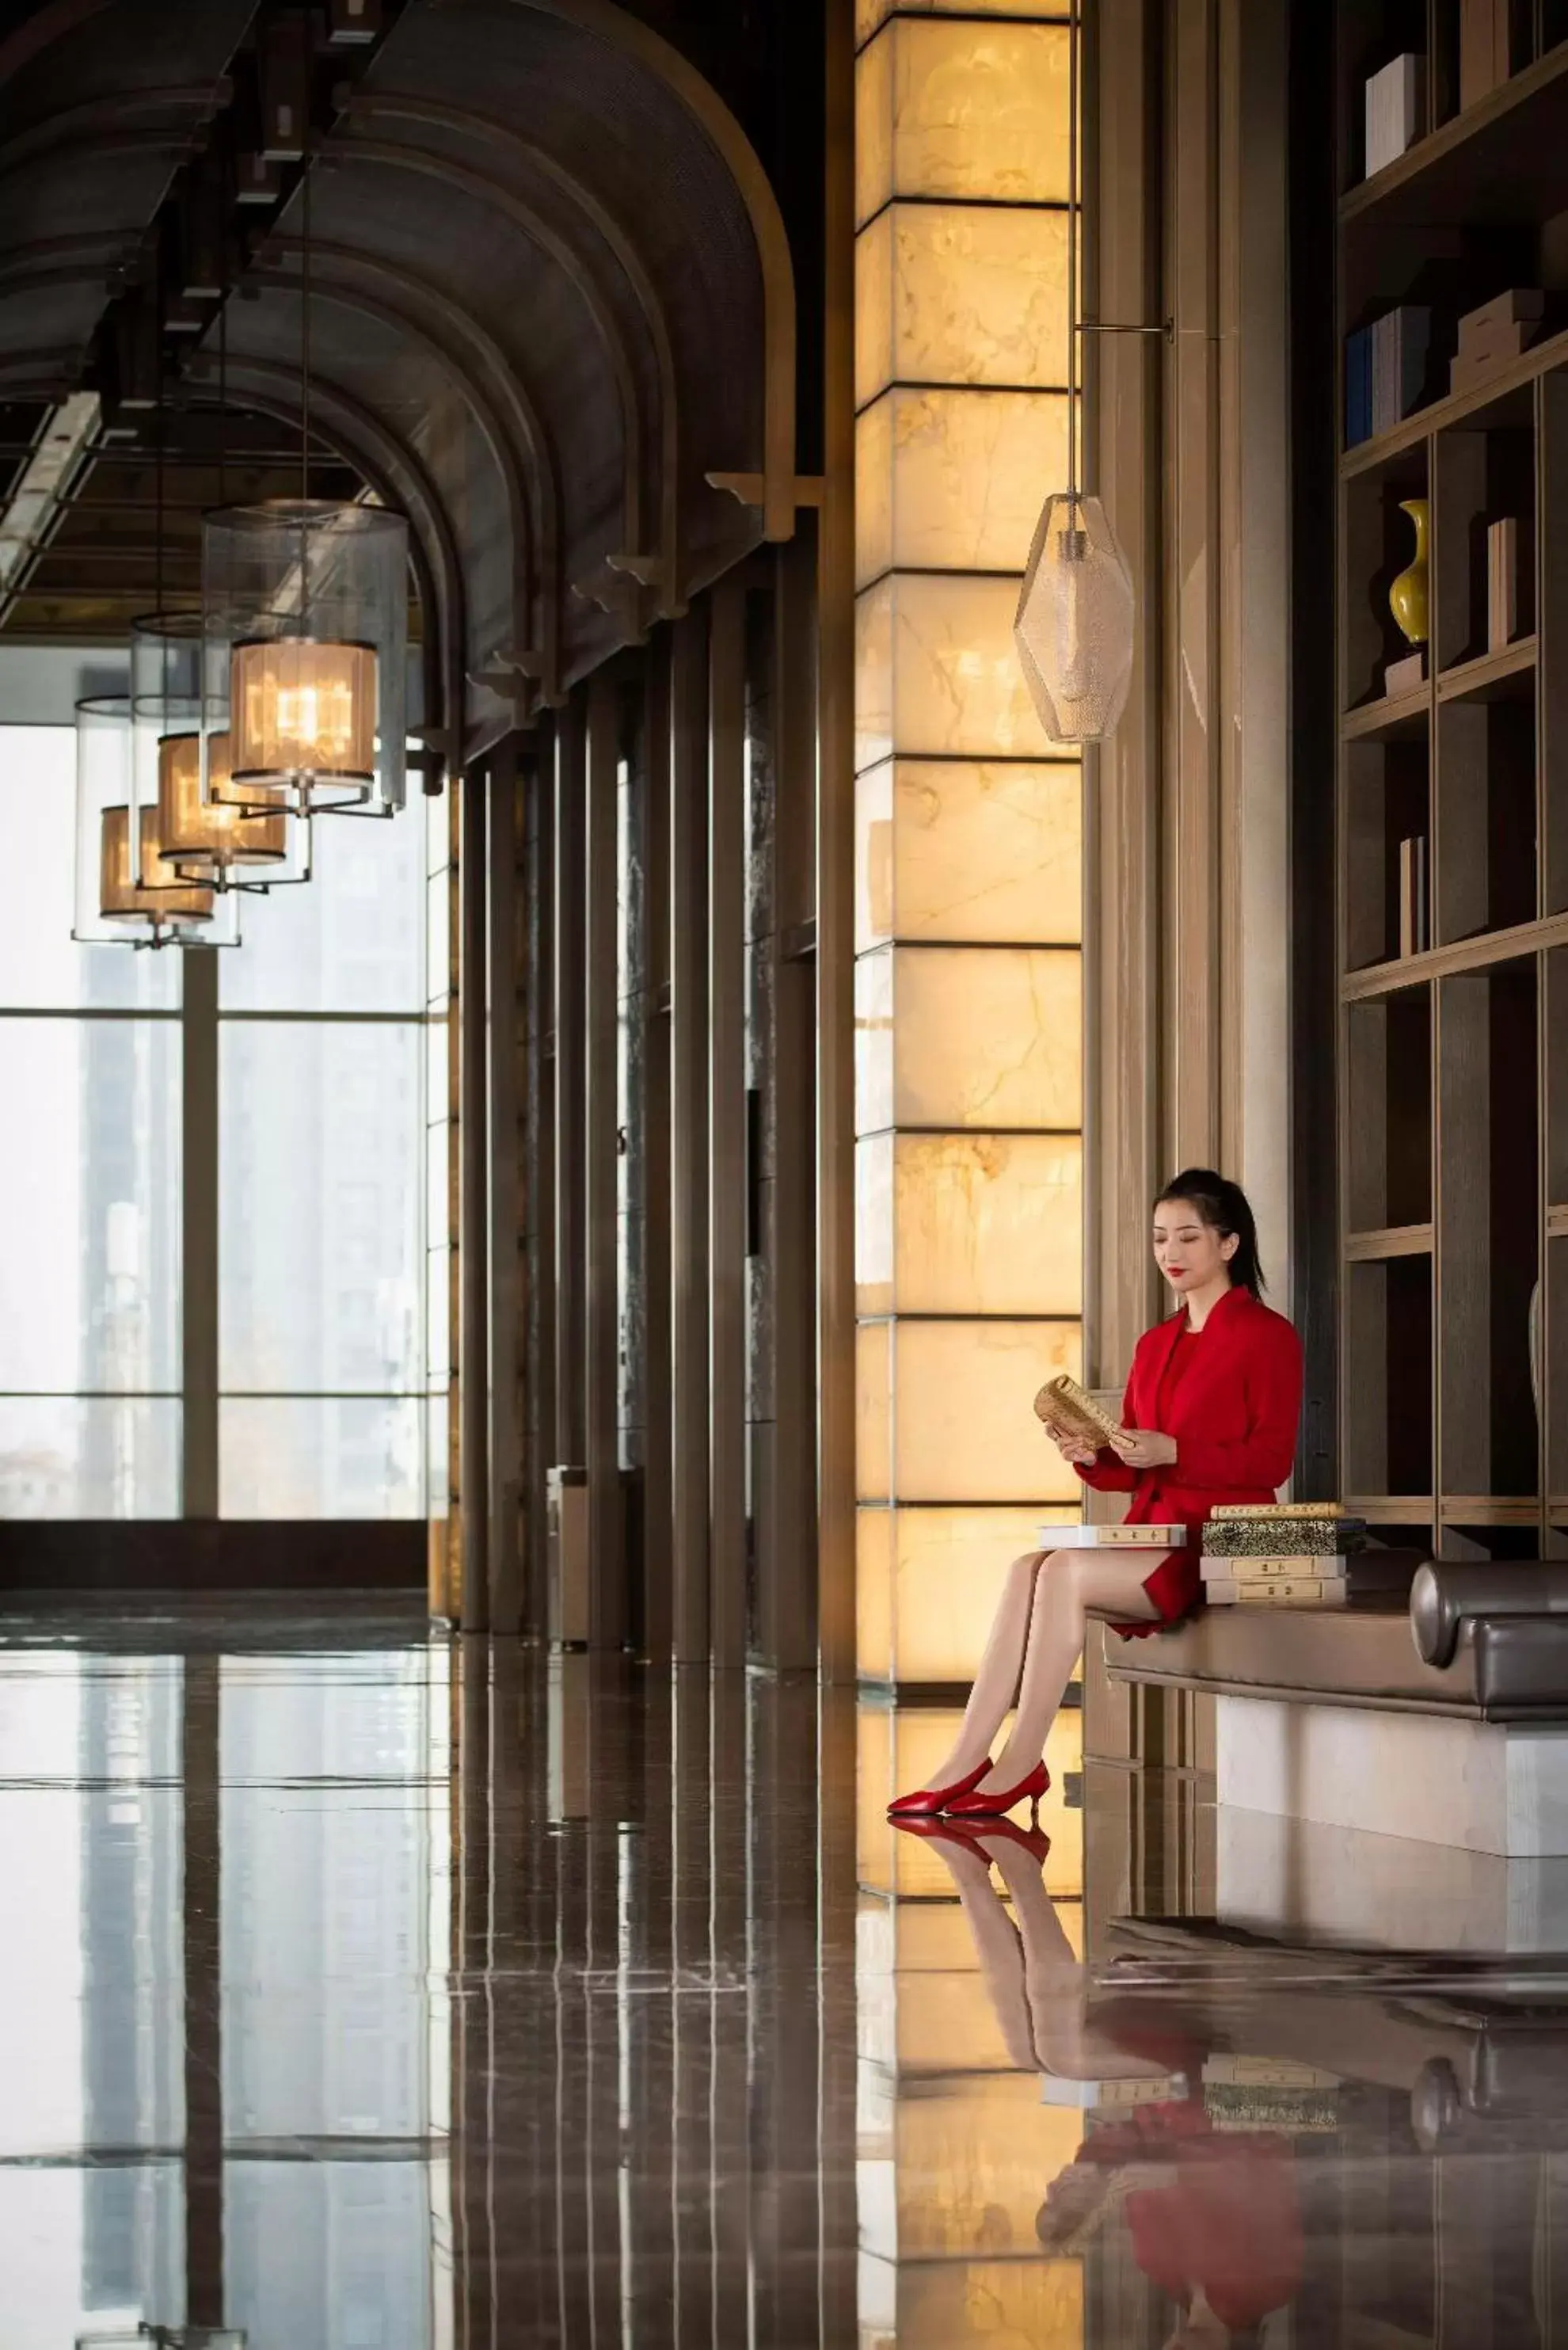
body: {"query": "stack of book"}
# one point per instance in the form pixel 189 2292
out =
pixel 1386 369
pixel 1295 1554
pixel 1496 333
pixel 1393 111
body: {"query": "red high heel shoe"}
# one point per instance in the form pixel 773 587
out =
pixel 926 1801
pixel 995 1801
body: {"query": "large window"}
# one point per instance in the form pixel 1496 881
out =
pixel 318 1186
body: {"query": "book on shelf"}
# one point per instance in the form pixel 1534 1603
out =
pixel 1394 98
pixel 1063 1404
pixel 1413 937
pixel 1385 369
pixel 1118 1537
pixel 1502 582
pixel 1403 675
pixel 1486 48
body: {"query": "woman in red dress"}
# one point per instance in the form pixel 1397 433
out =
pixel 1210 1417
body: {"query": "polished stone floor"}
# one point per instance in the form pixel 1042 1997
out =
pixel 366 1991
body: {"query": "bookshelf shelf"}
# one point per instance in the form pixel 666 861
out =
pixel 1395 718
pixel 1506 675
pixel 1463 408
pixel 1557 1224
pixel 1490 1509
pixel 1464 954
pixel 1391 1509
pixel 1498 162
pixel 1394 1240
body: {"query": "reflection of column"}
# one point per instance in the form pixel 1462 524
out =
pixel 968 996
pixel 204 2001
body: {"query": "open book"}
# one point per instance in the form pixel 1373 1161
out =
pixel 1063 1404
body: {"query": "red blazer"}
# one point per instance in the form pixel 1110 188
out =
pixel 1233 1416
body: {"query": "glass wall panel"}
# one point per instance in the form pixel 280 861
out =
pixel 321 1456
pixel 949 109
pixel 40 964
pixel 961 1393
pixel 350 941
pixel 90 1204
pixel 985 1038
pixel 90 1457
pixel 938 674
pixel 919 454
pixel 869 13
pixel 320 1186
pixel 973 852
pixel 952 293
pixel 930 1582
pixel 960 1224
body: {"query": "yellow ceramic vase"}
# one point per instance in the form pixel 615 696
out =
pixel 1407 597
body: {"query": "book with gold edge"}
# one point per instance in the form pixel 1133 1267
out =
pixel 1279 1510
pixel 1063 1404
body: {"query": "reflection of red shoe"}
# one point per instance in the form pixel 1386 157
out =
pixel 941 1831
pixel 928 1801
pixel 997 1800
pixel 1035 1841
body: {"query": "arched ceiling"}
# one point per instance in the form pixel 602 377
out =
pixel 550 293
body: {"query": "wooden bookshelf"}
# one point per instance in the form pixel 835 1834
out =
pixel 1453 1052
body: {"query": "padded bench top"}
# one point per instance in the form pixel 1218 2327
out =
pixel 1503 1669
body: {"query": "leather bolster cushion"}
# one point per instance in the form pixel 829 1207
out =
pixel 1447 1594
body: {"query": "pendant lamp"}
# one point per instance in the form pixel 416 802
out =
pixel 179 740
pixel 310 598
pixel 1074 627
pixel 115 842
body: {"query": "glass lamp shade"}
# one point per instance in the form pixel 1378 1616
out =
pixel 214 839
pixel 112 908
pixel 311 601
pixel 178 737
pixel 1073 628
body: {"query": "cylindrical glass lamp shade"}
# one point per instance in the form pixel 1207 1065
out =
pixel 1073 628
pixel 112 907
pixel 178 681
pixel 311 601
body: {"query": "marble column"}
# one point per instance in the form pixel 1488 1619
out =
pixel 969 1104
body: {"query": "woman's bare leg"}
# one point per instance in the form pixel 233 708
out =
pixel 996 1682
pixel 997 1945
pixel 1071 1585
pixel 1066 2044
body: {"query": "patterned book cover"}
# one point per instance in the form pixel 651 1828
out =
pixel 1280 1536
pixel 1063 1403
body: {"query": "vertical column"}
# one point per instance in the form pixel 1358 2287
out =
pixel 539 1203
pixel 688 1136
pixel 506 1096
pixel 473 1194
pixel 566 942
pixel 607 1576
pixel 658 1541
pixel 969 1175
pixel 727 1161
pixel 199 1236
pixel 201 1775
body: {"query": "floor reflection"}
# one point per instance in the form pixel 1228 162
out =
pixel 378 1992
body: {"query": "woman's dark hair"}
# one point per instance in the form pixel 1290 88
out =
pixel 1224 1207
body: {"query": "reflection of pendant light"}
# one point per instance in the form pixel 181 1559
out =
pixel 1073 628
pixel 311 597
pixel 176 681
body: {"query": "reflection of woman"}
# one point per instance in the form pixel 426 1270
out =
pixel 1210 1417
pixel 1214 2215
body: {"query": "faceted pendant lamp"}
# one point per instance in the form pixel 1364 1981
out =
pixel 113 841
pixel 311 601
pixel 1073 626
pixel 178 679
pixel 1074 623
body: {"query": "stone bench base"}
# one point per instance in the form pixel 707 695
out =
pixel 1480 1786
